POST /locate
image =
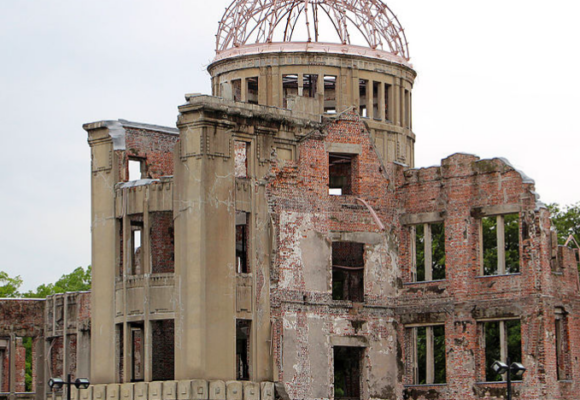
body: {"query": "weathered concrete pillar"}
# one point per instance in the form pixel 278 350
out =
pixel 204 215
pixel 104 139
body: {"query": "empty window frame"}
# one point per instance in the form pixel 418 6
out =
pixel 563 357
pixel 499 236
pixel 309 85
pixel 162 350
pixel 237 89
pixel 253 89
pixel 137 352
pixel 136 248
pixel 376 90
pixel 502 339
pixel 362 94
pixel 135 169
pixel 243 335
pixel 242 236
pixel 348 271
pixel 428 355
pixel 119 352
pixel 27 343
pixel 340 169
pixel 387 97
pixel 162 242
pixel 289 87
pixel 428 252
pixel 330 94
pixel 241 159
pixel 347 372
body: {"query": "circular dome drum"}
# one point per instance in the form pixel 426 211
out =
pixel 319 25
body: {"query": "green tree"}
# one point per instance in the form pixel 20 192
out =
pixel 566 220
pixel 9 286
pixel 77 281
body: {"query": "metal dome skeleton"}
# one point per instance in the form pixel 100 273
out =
pixel 248 22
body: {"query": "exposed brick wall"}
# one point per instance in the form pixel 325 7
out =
pixel 163 347
pixel 162 242
pixel 458 190
pixel 154 148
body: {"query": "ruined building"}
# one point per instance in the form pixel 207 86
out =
pixel 279 242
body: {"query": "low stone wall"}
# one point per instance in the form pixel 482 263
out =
pixel 196 389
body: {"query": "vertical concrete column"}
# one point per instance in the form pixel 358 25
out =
pixel 370 99
pixel 300 84
pixel 402 104
pixel 397 103
pixel 353 96
pixel 204 217
pixel 430 347
pixel 381 95
pixel 38 344
pixel 127 266
pixel 65 346
pixel 263 86
pixel 244 93
pixel 105 138
pixel 275 87
pixel 12 366
pixel 428 253
pixel 500 245
pixel 320 91
pixel 147 271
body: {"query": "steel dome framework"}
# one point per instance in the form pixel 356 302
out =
pixel 246 22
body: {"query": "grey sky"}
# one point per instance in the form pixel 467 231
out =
pixel 496 78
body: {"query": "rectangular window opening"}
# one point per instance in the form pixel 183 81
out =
pixel 330 94
pixel 241 159
pixel 137 352
pixel 376 114
pixel 563 360
pixel 121 248
pixel 253 90
pixel 500 248
pixel 503 339
pixel 348 271
pixel 429 365
pixel 363 84
pixel 163 350
pixel 340 174
pixel 27 343
pixel 237 89
pixel 429 248
pixel 136 248
pixel 347 372
pixel 242 262
pixel 162 242
pixel 243 331
pixel 119 352
pixel 135 168
pixel 309 85
pixel 289 87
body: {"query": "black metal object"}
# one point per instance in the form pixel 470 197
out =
pixel 58 383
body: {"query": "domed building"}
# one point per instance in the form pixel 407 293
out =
pixel 278 243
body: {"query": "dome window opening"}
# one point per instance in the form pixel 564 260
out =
pixel 329 94
pixel 309 85
pixel 252 90
pixel 289 87
pixel 363 100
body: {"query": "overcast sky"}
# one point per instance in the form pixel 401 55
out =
pixel 496 78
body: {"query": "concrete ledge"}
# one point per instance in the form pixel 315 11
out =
pixel 195 389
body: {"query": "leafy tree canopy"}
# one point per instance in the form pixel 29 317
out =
pixel 9 286
pixel 566 220
pixel 78 280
